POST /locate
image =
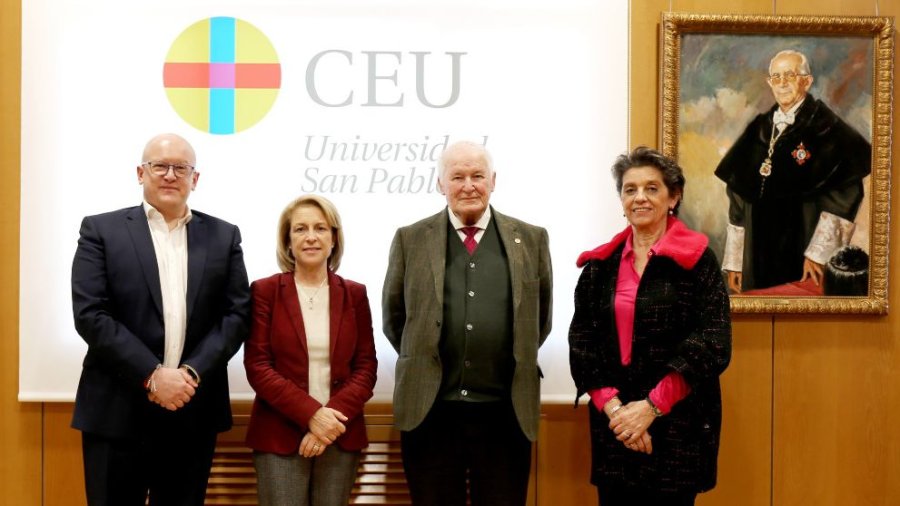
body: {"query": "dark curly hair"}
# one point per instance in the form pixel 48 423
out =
pixel 642 156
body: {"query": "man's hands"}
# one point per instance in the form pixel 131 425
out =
pixel 813 270
pixel 735 279
pixel 171 388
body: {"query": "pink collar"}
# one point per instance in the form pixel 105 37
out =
pixel 679 243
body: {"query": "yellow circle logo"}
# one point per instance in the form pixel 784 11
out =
pixel 222 75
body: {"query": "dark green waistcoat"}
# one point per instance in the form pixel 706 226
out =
pixel 476 342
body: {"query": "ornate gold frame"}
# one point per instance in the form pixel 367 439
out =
pixel 675 26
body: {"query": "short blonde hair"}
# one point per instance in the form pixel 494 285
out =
pixel 283 253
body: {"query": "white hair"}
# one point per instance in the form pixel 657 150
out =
pixel 475 147
pixel 804 62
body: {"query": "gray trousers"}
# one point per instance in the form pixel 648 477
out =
pixel 294 480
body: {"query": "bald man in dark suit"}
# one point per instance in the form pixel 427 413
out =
pixel 160 296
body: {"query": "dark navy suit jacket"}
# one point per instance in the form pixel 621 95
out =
pixel 117 304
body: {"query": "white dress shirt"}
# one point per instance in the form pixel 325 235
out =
pixel 171 258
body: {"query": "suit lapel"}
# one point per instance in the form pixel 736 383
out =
pixel 436 245
pixel 139 230
pixel 335 309
pixel 197 243
pixel 291 301
pixel 512 243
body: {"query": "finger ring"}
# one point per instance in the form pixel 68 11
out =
pixel 627 435
pixel 315 446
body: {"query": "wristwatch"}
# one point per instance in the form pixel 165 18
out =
pixel 656 411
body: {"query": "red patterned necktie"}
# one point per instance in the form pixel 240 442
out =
pixel 469 242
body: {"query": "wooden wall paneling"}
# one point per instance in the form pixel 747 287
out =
pixel 560 462
pixel 20 424
pixel 644 65
pixel 232 479
pixel 836 411
pixel 563 462
pixel 63 465
pixel 837 415
pixel 835 7
pixel 745 457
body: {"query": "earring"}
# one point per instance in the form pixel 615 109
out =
pixel 671 211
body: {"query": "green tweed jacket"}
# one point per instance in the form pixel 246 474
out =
pixel 412 313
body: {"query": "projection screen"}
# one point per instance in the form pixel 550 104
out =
pixel 351 100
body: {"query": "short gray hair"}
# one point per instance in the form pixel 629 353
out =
pixel 804 62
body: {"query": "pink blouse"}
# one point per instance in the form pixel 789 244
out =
pixel 673 387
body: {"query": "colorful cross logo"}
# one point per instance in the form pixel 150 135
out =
pixel 222 75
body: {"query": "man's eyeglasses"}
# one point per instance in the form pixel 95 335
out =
pixel 161 169
pixel 788 77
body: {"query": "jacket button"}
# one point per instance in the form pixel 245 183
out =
pixel 437 323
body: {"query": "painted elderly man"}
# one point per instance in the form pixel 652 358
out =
pixel 794 183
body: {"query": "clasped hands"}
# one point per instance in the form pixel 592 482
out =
pixel 173 388
pixel 325 426
pixel 630 423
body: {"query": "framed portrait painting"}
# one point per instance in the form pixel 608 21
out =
pixel 782 125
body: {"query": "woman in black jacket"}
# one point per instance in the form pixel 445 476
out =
pixel 650 336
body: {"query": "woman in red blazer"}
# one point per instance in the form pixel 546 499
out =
pixel 311 360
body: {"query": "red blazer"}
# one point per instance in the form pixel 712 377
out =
pixel 277 363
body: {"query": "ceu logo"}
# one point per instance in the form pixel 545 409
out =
pixel 222 75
